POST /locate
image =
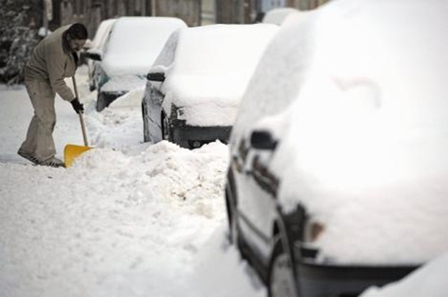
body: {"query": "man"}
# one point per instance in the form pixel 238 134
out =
pixel 52 60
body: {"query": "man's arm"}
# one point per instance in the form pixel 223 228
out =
pixel 55 67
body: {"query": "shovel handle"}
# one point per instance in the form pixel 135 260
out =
pixel 81 118
pixel 83 128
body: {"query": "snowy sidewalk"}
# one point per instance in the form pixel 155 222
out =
pixel 128 219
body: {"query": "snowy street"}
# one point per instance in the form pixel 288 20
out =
pixel 128 219
pixel 316 162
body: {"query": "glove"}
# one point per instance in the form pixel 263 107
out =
pixel 77 106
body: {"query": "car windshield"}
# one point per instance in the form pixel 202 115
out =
pixel 206 50
pixel 135 43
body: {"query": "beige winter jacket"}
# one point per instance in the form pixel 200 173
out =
pixel 51 61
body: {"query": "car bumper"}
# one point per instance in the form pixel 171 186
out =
pixel 193 136
pixel 315 279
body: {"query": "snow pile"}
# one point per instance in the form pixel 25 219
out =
pixel 110 223
pixel 120 125
pixel 215 277
pixel 128 219
pixel 132 99
pixel 429 280
pixel 163 171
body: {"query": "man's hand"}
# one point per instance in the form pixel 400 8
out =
pixel 77 106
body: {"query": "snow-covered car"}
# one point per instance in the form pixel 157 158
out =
pixel 195 85
pixel 133 45
pixel 278 15
pixel 96 49
pixel 338 163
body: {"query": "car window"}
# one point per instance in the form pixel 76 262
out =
pixel 102 34
pixel 105 36
pixel 166 56
pixel 135 43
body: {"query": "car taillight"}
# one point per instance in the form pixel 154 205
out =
pixel 180 112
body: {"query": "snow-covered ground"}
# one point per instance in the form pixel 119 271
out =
pixel 429 280
pixel 128 219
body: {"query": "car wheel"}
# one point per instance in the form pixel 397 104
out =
pixel 231 209
pixel 233 221
pixel 101 101
pixel 146 137
pixel 281 281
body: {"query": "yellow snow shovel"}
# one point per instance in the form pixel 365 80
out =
pixel 71 151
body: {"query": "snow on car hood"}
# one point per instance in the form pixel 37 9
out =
pixel 205 101
pixel 210 69
pixel 118 64
pixel 124 83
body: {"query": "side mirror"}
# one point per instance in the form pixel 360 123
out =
pixel 156 76
pixel 96 56
pixel 262 140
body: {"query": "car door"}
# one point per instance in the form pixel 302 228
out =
pixel 256 189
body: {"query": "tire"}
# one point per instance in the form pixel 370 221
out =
pixel 281 279
pixel 165 129
pixel 101 101
pixel 231 209
pixel 146 137
pixel 232 218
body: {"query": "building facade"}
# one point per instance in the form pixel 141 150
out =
pixel 193 12
pixel 92 12
pixel 249 11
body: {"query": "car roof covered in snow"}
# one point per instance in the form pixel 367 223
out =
pixel 135 43
pixel 213 61
pixel 356 91
pixel 102 33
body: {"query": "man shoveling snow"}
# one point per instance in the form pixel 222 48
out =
pixel 52 60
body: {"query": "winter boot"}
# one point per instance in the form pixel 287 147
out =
pixel 53 162
pixel 28 156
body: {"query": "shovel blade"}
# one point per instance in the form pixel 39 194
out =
pixel 71 152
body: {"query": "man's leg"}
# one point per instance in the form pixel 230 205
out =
pixel 39 141
pixel 29 145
